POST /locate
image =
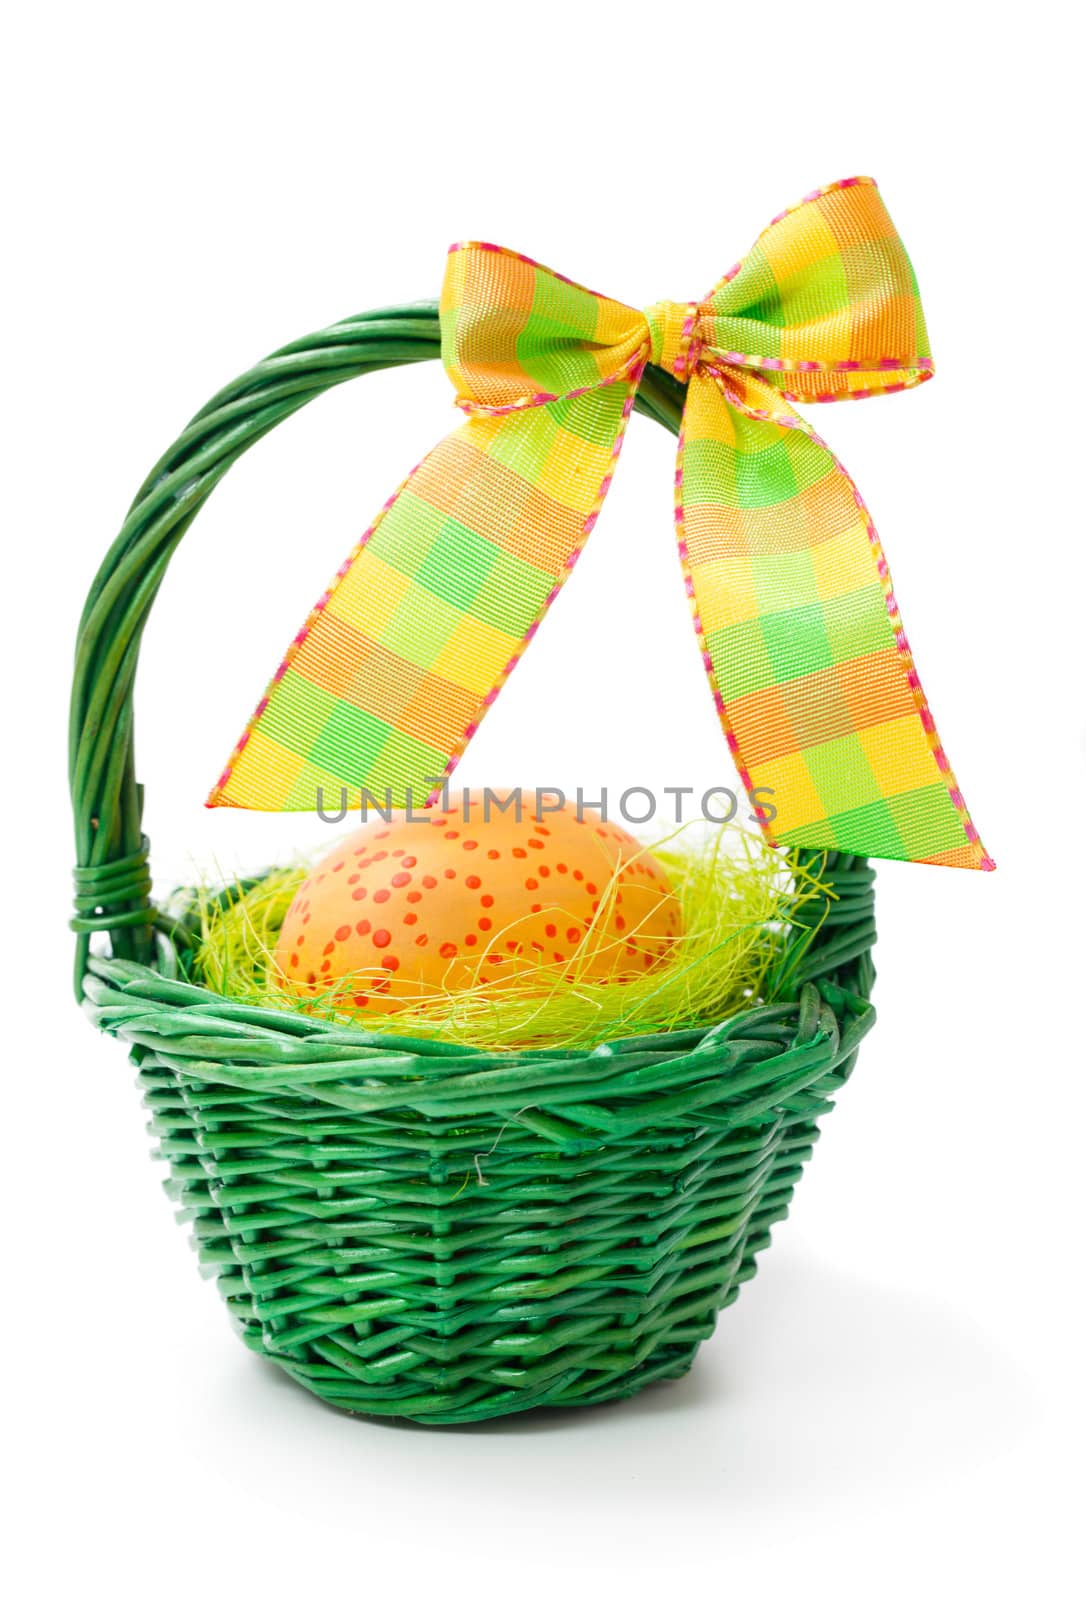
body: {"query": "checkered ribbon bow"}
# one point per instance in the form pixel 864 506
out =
pixel 795 616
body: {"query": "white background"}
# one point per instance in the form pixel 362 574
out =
pixel 896 1403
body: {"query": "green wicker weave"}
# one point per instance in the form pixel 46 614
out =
pixel 417 1229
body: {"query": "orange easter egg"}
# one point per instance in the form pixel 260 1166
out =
pixel 438 901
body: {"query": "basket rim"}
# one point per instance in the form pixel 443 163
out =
pixel 752 1059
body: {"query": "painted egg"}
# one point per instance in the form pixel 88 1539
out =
pixel 450 898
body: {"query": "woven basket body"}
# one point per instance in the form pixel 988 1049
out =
pixel 410 1228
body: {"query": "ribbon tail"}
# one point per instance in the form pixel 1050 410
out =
pixel 801 637
pixel 388 678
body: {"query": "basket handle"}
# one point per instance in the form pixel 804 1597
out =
pixel 112 874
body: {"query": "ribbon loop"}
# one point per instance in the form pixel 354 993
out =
pixel 825 305
pixel 796 619
pixel 515 334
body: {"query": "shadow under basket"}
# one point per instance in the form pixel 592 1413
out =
pixel 411 1228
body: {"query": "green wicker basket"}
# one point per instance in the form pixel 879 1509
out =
pixel 417 1229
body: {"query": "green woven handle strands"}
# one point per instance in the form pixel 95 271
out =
pixel 408 1227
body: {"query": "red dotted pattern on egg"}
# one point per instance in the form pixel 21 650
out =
pixel 400 909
